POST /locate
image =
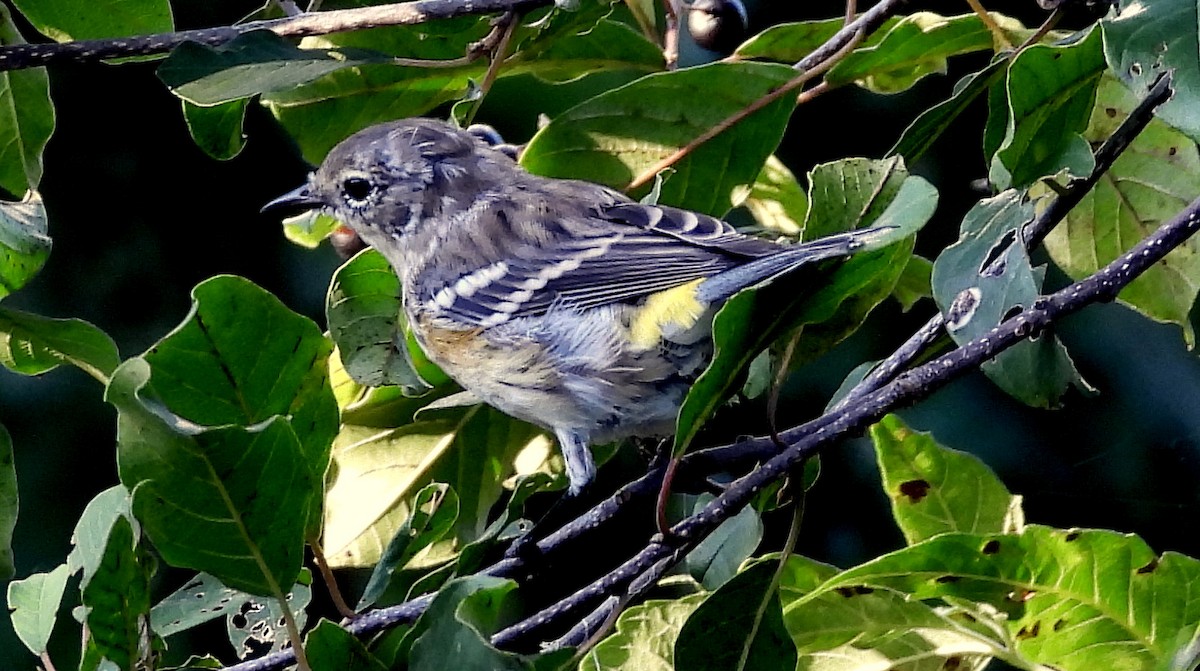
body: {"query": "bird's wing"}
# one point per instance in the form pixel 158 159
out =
pixel 617 253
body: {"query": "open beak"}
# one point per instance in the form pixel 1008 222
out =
pixel 292 203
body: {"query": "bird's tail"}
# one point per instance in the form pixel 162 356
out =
pixel 725 284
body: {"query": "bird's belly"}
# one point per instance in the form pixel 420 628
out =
pixel 568 371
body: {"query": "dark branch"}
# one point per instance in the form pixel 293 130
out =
pixel 908 388
pixel 18 56
pixel 1033 233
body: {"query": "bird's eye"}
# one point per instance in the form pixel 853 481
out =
pixel 357 188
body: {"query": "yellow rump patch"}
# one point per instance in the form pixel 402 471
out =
pixel 673 310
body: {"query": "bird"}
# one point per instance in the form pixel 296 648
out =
pixel 560 302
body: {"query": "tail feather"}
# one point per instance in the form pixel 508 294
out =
pixel 725 284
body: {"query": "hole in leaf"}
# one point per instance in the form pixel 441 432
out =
pixel 991 547
pixel 947 579
pixel 1148 568
pixel 1030 630
pixel 1059 624
pixel 1073 535
pixel 994 255
pixel 914 490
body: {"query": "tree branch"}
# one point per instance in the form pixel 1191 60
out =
pixel 18 56
pixel 1033 233
pixel 851 420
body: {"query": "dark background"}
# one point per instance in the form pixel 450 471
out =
pixel 139 216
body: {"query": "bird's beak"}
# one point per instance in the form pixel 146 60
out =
pixel 292 203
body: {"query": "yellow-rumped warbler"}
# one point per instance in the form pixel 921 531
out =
pixel 560 302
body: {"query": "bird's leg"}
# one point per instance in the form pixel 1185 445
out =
pixel 581 471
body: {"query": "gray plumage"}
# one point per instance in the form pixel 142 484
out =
pixel 531 292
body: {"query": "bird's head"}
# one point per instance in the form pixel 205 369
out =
pixel 382 181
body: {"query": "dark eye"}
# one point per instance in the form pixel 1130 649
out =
pixel 357 188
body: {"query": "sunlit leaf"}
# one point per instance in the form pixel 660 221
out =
pixel 1070 599
pixel 935 490
pixel 1156 177
pixel 24 244
pixel 33 603
pixel 644 638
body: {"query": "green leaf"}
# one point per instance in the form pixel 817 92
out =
pixel 434 511
pixel 739 626
pixel 613 137
pixel 1156 177
pixel 34 604
pixel 1050 92
pixel 644 638
pixel 31 345
pixel 933 122
pixel 24 244
pixel 67 20
pixel 791 42
pixel 217 130
pixel 1144 40
pixel 1036 372
pixel 366 321
pixel 843 196
pixel 861 627
pixel 1069 599
pixel 915 47
pixel 328 646
pixel 9 504
pixel 199 600
pixel 251 64
pixel 91 533
pixel 258 625
pixel 717 558
pixel 458 619
pixel 26 121
pixel 607 45
pixel 117 599
pixel 378 471
pixel 310 228
pixel 914 282
pixel 936 490
pixel 777 201
pixel 326 111
pixel 232 500
pixel 241 358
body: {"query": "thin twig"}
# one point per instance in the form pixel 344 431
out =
pixel 725 124
pixel 504 27
pixel 816 62
pixel 1043 29
pixel 670 35
pixel 335 592
pixel 996 31
pixel 17 56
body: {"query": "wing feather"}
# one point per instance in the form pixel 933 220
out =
pixel 619 253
